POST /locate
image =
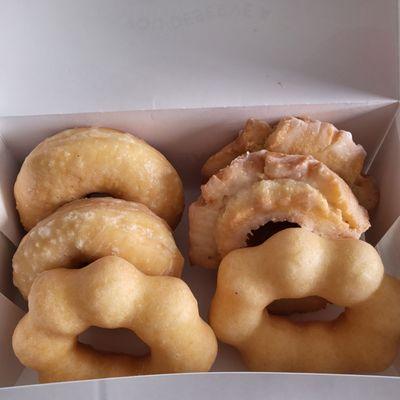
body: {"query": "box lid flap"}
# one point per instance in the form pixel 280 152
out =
pixel 67 57
pixel 201 386
pixel 10 368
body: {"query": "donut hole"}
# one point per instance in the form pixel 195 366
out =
pixel 97 194
pixel 120 340
pixel 318 309
pixel 264 232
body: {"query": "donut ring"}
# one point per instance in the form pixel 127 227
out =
pixel 251 138
pixel 263 186
pixel 76 162
pixel 87 229
pixel 322 140
pixel 295 263
pixel 335 148
pixel 111 293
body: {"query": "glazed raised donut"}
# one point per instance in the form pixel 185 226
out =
pixel 295 263
pixel 111 293
pixel 262 186
pixel 87 229
pixel 81 161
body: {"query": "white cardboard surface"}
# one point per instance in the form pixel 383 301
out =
pixel 198 131
pixel 389 249
pixel 336 61
pixel 385 170
pixel 188 137
pixel 10 367
pixel 8 214
pixel 216 386
pixel 67 57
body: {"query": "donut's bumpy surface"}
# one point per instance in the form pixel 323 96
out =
pixel 111 293
pixel 296 263
pixel 263 186
pixel 81 161
pixel 87 229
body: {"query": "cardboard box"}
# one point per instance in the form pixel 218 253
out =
pixel 185 77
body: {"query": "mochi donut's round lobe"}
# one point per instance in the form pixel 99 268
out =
pixel 111 293
pixel 296 263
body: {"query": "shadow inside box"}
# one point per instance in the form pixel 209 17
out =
pixel 370 127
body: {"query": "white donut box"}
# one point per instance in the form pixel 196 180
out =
pixel 185 75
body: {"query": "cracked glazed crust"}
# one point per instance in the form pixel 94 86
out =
pixel 251 138
pixel 321 140
pixel 264 186
pixel 335 148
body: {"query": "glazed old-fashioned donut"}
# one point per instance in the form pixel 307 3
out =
pixel 322 140
pixel 296 263
pixel 111 293
pixel 87 229
pixel 263 186
pixel 335 148
pixel 82 161
pixel 251 138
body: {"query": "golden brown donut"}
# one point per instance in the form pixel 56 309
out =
pixel 296 263
pixel 251 138
pixel 111 293
pixel 263 186
pixel 335 148
pixel 81 161
pixel 87 229
pixel 322 140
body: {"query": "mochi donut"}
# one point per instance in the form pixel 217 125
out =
pixel 111 293
pixel 296 263
pixel 322 140
pixel 263 186
pixel 77 162
pixel 87 229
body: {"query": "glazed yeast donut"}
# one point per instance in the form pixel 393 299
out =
pixel 87 229
pixel 111 293
pixel 296 263
pixel 262 186
pixel 322 140
pixel 78 162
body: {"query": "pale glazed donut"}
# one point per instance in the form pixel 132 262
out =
pixel 322 140
pixel 87 229
pixel 296 263
pixel 111 293
pixel 81 161
pixel 263 186
pixel 251 138
pixel 335 148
